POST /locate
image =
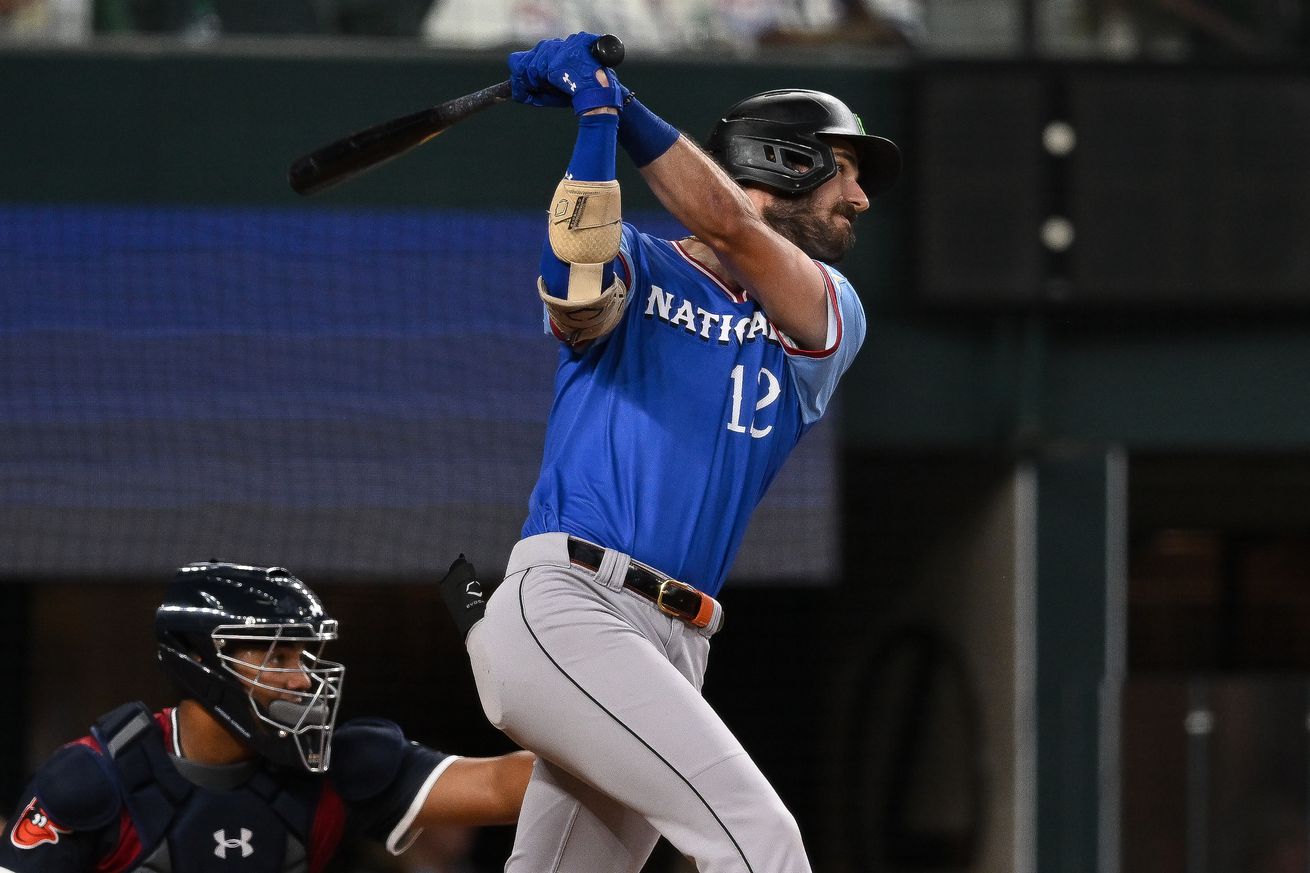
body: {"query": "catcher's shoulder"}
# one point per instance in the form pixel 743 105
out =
pixel 75 788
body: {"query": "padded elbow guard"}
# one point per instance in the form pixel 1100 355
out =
pixel 581 320
pixel 584 231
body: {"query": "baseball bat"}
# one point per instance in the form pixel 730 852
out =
pixel 346 158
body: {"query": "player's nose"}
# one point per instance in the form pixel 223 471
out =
pixel 297 681
pixel 856 197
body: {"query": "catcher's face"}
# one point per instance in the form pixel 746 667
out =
pixel 822 222
pixel 274 672
pixel 292 693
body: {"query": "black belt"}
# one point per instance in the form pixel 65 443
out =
pixel 674 598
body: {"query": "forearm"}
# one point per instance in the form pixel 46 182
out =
pixel 592 161
pixel 507 780
pixel 696 191
pixel 512 777
pixel 479 791
pixel 782 278
pixel 690 185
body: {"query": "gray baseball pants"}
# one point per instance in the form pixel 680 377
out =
pixel 605 689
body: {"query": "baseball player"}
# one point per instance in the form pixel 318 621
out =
pixel 249 773
pixel 688 370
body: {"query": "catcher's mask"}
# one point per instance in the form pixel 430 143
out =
pixel 780 139
pixel 211 612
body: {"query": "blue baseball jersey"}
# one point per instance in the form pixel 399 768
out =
pixel 665 434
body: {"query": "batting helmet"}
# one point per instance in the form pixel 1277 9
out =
pixel 777 139
pixel 211 613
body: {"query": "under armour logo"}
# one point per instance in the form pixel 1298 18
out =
pixel 573 86
pixel 224 843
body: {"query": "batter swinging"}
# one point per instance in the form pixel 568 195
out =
pixel 688 370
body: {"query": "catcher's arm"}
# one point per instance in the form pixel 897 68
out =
pixel 478 791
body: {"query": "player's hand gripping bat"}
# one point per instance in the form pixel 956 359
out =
pixel 346 158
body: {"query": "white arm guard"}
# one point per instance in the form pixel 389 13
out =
pixel 581 320
pixel 584 230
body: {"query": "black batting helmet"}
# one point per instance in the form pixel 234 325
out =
pixel 777 139
pixel 210 611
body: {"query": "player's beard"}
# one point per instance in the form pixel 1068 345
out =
pixel 822 237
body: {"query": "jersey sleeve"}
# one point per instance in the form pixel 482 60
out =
pixel 626 264
pixel 383 778
pixel 816 373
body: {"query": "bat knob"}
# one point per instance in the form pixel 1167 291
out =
pixel 608 50
pixel 302 175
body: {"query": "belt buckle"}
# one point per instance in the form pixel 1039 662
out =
pixel 665 584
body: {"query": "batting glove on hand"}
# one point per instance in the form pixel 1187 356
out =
pixel 562 72
pixel 464 595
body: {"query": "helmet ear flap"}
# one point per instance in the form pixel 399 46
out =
pixel 188 672
pixel 200 647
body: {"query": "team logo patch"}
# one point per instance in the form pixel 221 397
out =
pixel 34 827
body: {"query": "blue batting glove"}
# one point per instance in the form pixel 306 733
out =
pixel 527 82
pixel 563 68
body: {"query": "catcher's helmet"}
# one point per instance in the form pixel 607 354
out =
pixel 777 139
pixel 212 609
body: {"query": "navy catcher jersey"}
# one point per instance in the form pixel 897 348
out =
pixel 87 810
pixel 665 434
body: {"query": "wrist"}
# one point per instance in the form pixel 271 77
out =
pixel 643 134
pixel 608 95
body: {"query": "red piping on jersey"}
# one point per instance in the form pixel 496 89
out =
pixel 90 743
pixel 127 850
pixel 734 296
pixel 627 271
pixel 836 310
pixel 325 832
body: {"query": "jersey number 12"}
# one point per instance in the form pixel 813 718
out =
pixel 771 393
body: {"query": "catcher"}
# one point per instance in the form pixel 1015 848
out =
pixel 249 772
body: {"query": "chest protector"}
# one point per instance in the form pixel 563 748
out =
pixel 263 826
